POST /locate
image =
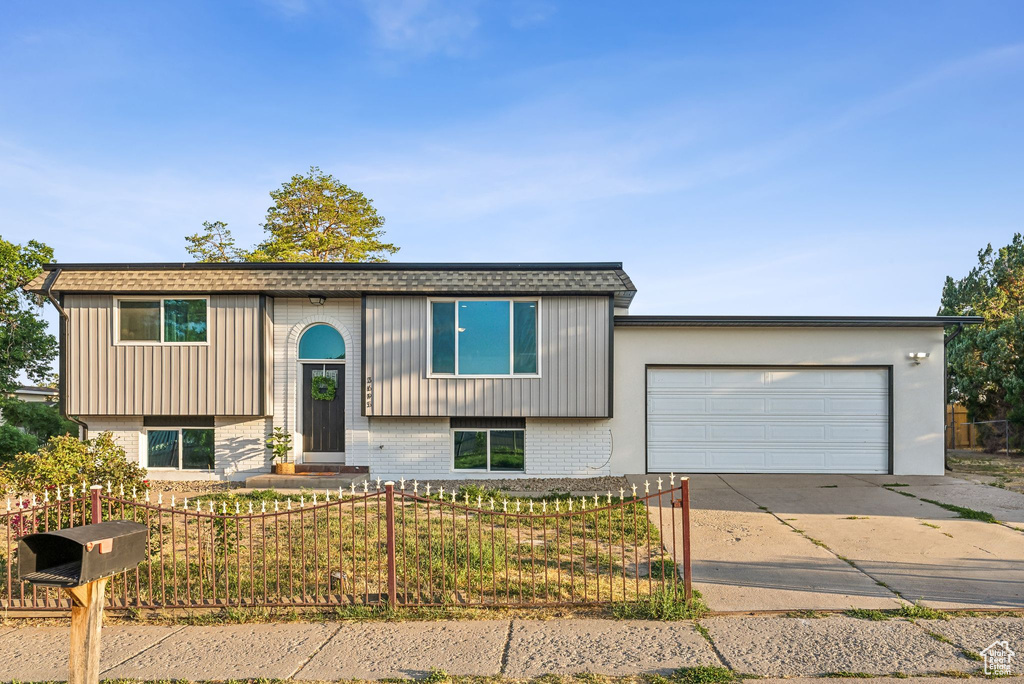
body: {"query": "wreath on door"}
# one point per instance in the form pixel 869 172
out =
pixel 323 388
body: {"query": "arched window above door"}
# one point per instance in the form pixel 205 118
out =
pixel 321 342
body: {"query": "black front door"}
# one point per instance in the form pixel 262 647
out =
pixel 323 421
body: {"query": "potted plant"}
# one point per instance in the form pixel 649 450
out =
pixel 280 444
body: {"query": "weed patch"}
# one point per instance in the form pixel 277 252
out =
pixel 867 614
pixel 962 512
pixel 663 604
pixel 703 674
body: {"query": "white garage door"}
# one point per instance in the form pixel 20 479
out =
pixel 768 420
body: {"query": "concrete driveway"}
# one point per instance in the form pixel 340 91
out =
pixel 818 542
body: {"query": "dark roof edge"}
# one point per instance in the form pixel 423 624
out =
pixel 797 321
pixel 335 266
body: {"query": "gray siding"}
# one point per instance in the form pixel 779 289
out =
pixel 574 357
pixel 220 378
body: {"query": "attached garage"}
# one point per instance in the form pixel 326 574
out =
pixel 744 394
pixel 768 419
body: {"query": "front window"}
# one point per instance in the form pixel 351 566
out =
pixel 483 337
pixel 170 321
pixel 489 450
pixel 180 449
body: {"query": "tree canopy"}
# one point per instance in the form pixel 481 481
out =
pixel 986 373
pixel 25 345
pixel 314 217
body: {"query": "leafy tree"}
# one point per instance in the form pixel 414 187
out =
pixel 985 366
pixel 25 345
pixel 314 218
pixel 214 245
pixel 317 218
pixel 36 418
pixel 14 441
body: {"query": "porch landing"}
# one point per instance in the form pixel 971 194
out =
pixel 316 477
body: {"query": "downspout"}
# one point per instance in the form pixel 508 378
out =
pixel 952 417
pixel 62 353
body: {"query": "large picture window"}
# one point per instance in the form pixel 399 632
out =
pixel 483 337
pixel 180 448
pixel 162 321
pixel 490 450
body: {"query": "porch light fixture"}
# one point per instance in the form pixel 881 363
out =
pixel 918 357
pixel 316 300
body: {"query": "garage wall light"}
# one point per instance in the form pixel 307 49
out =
pixel 316 300
pixel 918 357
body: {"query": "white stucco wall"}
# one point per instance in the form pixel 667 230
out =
pixel 291 318
pixel 918 392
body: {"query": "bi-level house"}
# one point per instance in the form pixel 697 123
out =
pixel 481 370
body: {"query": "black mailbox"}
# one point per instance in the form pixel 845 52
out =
pixel 79 555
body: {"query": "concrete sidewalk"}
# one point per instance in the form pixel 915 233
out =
pixel 765 646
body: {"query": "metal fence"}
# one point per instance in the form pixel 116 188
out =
pixel 390 545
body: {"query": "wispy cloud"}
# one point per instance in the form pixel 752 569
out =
pixel 424 26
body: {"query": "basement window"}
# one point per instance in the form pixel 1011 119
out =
pixel 499 448
pixel 179 449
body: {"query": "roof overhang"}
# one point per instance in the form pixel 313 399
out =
pixel 795 321
pixel 342 279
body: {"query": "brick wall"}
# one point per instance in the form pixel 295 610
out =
pixel 126 431
pixel 567 447
pixel 240 447
pixel 555 447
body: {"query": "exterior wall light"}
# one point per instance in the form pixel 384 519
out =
pixel 317 301
pixel 918 357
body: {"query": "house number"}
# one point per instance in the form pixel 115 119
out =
pixel 369 392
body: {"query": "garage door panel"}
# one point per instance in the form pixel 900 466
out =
pixel 863 432
pixel 736 432
pixel 797 460
pixel 684 378
pixel 677 433
pixel 725 461
pixel 768 420
pixel 797 432
pixel 745 406
pixel 797 379
pixel 798 406
pixel 865 379
pixel 859 406
pixel 681 461
pixel 736 378
pixel 666 404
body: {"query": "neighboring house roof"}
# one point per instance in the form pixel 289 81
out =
pixel 341 279
pixel 36 389
pixel 797 321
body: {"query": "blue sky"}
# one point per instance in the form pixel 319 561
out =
pixel 739 157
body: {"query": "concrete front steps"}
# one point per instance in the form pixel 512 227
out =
pixel 317 477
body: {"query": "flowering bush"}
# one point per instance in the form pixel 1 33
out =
pixel 68 461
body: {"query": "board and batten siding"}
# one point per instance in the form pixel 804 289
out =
pixel 219 378
pixel 574 365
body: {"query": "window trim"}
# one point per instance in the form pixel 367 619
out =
pixel 511 337
pixel 157 343
pixel 144 448
pixel 486 470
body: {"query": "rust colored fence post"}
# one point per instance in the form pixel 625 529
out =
pixel 687 584
pixel 94 493
pixel 389 515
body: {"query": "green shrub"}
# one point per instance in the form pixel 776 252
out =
pixel 68 461
pixel 14 441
